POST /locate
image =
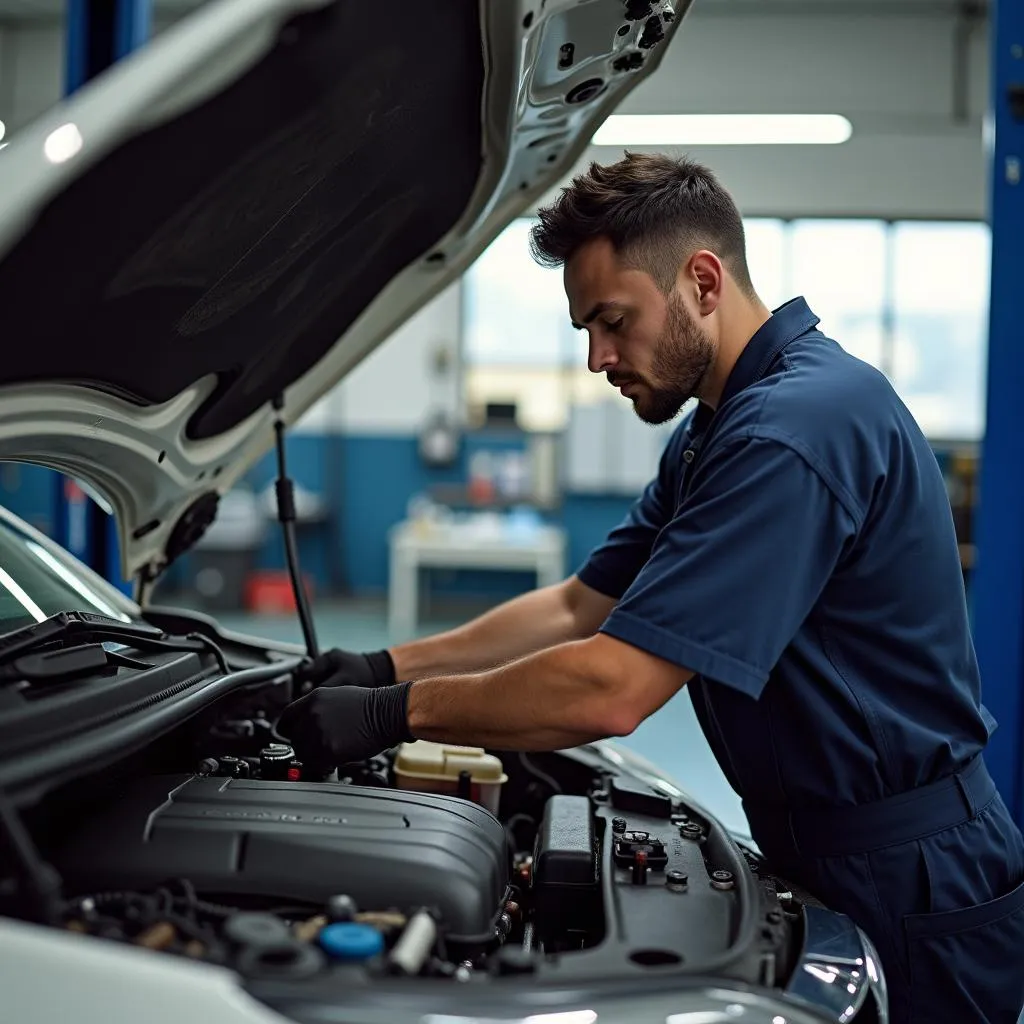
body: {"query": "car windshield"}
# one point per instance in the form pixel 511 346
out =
pixel 38 580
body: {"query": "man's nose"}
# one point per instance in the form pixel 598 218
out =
pixel 602 356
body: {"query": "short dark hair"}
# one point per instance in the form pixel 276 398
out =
pixel 656 210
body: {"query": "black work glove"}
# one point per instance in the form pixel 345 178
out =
pixel 343 668
pixel 342 724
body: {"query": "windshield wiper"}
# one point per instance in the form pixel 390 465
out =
pixel 85 627
pixel 61 664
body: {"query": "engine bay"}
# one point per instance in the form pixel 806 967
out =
pixel 584 871
pixel 213 843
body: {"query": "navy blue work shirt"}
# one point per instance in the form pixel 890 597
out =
pixel 796 550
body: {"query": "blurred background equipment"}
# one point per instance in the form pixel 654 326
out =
pixel 434 538
pixel 225 556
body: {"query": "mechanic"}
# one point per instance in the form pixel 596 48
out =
pixel 793 564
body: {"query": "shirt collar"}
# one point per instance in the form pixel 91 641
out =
pixel 786 324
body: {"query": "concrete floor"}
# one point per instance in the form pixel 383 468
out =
pixel 671 738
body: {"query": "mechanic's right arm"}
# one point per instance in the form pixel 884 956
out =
pixel 569 610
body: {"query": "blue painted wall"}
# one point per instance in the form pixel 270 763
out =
pixel 367 482
pixel 381 474
pixel 28 491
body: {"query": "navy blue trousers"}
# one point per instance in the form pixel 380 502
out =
pixel 944 907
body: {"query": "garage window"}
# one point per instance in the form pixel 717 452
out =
pixel 911 298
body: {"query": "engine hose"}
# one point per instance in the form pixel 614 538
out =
pixel 187 888
pixel 212 909
pixel 194 904
pixel 158 907
pixel 533 770
pixel 193 930
pixel 165 900
pixel 106 900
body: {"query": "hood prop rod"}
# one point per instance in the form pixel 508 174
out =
pixel 286 515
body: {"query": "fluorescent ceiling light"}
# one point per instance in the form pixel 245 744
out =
pixel 723 130
pixel 3 129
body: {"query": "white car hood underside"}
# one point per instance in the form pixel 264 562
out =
pixel 145 458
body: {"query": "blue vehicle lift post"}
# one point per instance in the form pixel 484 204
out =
pixel 999 576
pixel 98 34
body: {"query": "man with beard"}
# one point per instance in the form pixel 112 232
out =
pixel 793 565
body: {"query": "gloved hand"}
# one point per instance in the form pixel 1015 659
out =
pixel 344 668
pixel 342 724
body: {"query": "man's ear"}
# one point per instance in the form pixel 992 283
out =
pixel 706 271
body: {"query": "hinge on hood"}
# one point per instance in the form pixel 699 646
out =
pixel 191 526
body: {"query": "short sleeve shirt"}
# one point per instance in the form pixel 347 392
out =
pixel 796 551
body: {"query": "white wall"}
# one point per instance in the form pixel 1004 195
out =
pixel 32 58
pixel 398 387
pixel 31 72
pixel 890 67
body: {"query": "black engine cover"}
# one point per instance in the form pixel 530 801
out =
pixel 294 841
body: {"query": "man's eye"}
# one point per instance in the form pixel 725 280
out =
pixel 614 326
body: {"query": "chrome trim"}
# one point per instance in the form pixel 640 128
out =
pixel 838 968
pixel 701 1004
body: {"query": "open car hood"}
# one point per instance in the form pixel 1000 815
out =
pixel 248 206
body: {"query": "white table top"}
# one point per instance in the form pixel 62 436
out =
pixel 476 535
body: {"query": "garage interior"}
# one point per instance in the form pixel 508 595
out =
pixel 889 234
pixel 899 215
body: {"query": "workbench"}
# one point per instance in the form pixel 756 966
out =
pixel 414 546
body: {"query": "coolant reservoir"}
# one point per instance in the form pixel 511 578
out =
pixel 436 767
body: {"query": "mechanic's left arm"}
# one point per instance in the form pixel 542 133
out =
pixel 560 697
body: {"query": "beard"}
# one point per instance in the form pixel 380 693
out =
pixel 682 356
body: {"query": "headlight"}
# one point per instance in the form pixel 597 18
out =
pixel 838 969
